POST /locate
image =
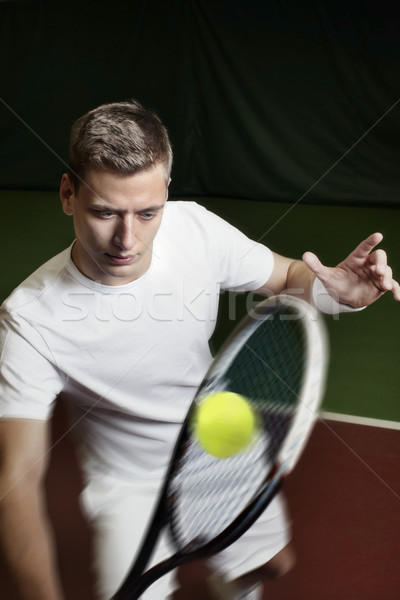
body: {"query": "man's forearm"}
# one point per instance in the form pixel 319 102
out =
pixel 26 543
pixel 289 276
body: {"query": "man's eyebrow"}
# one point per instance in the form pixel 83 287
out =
pixel 103 205
pixel 154 208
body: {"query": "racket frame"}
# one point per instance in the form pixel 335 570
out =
pixel 138 580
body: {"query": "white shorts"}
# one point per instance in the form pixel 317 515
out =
pixel 118 514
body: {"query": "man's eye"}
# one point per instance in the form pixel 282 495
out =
pixel 147 216
pixel 104 214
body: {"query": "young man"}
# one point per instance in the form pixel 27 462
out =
pixel 119 325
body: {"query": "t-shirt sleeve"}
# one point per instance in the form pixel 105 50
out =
pixel 243 264
pixel 29 381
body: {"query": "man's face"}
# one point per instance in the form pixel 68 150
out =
pixel 116 218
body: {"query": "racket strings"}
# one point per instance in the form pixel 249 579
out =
pixel 270 375
pixel 206 493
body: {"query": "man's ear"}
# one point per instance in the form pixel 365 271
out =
pixel 67 193
pixel 167 194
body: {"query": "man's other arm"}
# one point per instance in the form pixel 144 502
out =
pixel 25 536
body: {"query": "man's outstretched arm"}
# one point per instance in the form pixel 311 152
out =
pixel 25 537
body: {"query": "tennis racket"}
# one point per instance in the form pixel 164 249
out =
pixel 276 359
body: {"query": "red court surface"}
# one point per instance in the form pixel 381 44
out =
pixel 344 499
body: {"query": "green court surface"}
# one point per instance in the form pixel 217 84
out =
pixel 364 374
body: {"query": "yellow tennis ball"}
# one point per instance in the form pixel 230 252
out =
pixel 224 424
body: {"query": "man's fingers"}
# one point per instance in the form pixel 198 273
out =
pixel 377 262
pixel 382 275
pixel 365 247
pixel 396 290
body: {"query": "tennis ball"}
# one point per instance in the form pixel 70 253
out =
pixel 224 423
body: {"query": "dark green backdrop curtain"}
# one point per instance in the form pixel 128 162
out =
pixel 267 100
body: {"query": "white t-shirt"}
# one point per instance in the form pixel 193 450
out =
pixel 127 359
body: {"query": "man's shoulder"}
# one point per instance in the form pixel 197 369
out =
pixel 184 208
pixel 190 214
pixel 42 279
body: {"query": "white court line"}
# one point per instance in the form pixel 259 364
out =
pixel 357 420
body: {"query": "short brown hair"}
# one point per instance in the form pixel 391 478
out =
pixel 122 137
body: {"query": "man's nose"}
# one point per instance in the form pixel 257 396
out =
pixel 124 235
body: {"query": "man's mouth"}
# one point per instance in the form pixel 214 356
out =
pixel 119 259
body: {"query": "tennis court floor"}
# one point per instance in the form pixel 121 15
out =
pixel 344 500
